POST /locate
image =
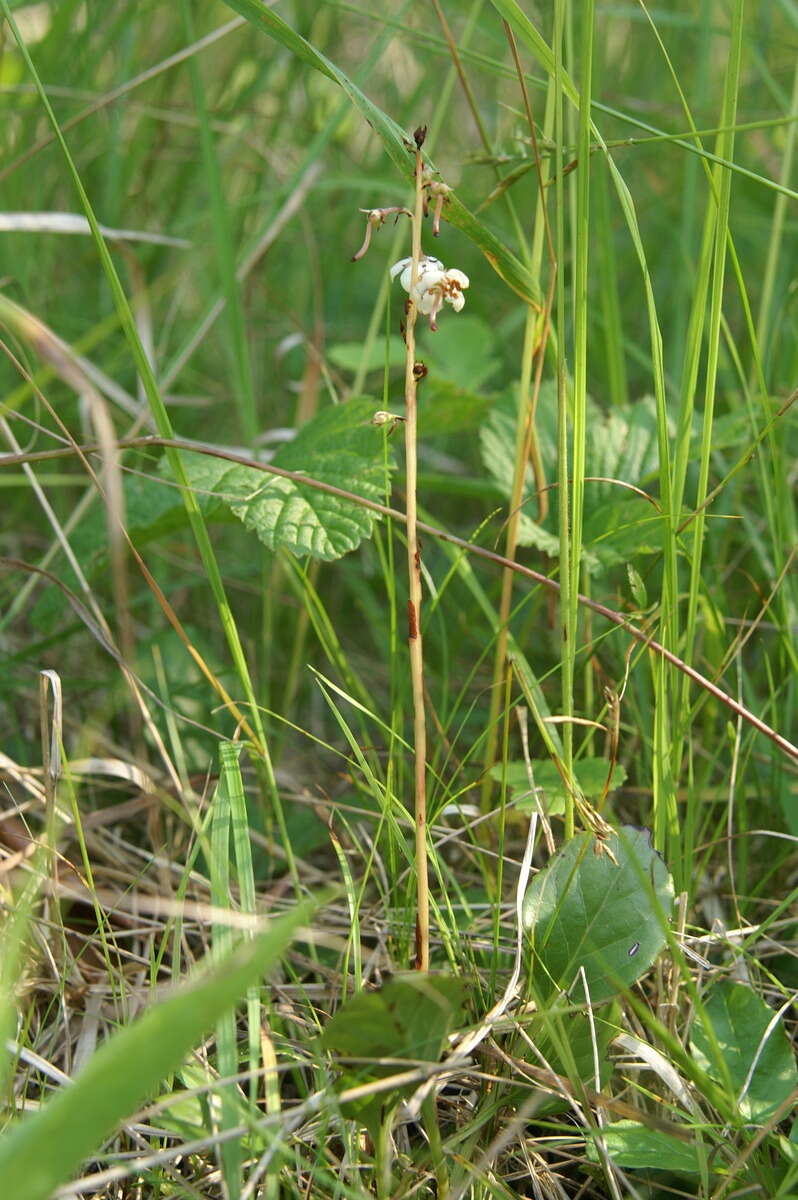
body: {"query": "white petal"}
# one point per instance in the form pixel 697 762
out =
pixel 430 272
pixel 427 302
pixel 457 300
pixel 431 277
pixel 404 266
pixel 457 277
pixel 428 293
pixel 406 276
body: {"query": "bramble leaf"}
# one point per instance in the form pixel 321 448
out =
pixel 620 523
pixel 339 447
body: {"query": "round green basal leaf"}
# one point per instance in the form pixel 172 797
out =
pixel 635 1147
pixel 737 1025
pixel 590 775
pixel 584 910
pixel 408 1018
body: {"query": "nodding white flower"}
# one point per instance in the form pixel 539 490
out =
pixel 434 285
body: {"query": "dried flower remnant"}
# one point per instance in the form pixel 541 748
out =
pixel 375 219
pixel 384 418
pixel 434 285
pixel 438 192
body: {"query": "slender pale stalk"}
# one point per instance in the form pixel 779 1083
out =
pixel 523 439
pixel 527 447
pixel 567 633
pixel 414 596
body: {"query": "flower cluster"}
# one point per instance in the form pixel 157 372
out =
pixel 433 286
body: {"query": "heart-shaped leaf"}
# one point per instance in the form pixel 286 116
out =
pixel 590 775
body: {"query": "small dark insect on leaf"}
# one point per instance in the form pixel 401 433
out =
pixel 419 135
pixel 633 949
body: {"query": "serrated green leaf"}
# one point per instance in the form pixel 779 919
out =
pixel 635 1147
pixel 394 140
pixel 591 777
pixel 583 910
pixel 623 528
pixel 739 1020
pixel 619 523
pixel 341 447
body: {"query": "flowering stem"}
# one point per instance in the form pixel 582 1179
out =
pixel 414 594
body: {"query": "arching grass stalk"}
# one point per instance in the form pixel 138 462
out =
pixel 412 375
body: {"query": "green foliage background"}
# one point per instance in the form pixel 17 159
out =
pixel 226 151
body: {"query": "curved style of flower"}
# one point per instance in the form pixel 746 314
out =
pixel 375 219
pixel 439 192
pixel 433 286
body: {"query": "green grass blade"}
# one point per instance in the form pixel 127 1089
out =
pixel 164 425
pixel 43 1150
pixel 241 369
pixel 395 142
pixel 223 938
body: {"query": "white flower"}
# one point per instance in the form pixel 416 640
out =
pixel 434 285
pixel 405 267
